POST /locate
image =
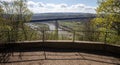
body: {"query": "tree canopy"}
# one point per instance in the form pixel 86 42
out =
pixel 14 15
pixel 108 14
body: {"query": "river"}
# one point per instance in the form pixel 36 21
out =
pixel 52 27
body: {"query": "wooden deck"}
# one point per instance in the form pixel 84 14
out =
pixel 59 53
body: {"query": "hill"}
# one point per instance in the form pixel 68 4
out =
pixel 60 15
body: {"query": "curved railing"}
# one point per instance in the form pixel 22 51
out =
pixel 63 35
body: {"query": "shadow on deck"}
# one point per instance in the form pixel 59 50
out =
pixel 6 50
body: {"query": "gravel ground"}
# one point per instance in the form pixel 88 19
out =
pixel 58 58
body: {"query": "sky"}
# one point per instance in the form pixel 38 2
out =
pixel 50 6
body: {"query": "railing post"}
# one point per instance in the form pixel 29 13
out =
pixel 43 46
pixel 43 38
pixel 74 36
pixel 56 25
pixel 105 39
pixel 8 36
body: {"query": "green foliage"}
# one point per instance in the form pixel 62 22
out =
pixel 108 14
pixel 14 15
pixel 52 35
pixel 72 25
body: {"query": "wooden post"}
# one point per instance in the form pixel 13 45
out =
pixel 56 30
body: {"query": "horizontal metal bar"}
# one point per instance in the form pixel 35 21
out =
pixel 61 30
pixel 54 19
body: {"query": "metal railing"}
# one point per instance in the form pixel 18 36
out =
pixel 72 36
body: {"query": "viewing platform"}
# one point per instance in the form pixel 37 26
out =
pixel 59 53
pixel 59 47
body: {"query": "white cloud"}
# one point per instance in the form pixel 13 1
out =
pixel 40 4
pixel 63 5
pixel 78 6
pixel 39 7
pixel 8 0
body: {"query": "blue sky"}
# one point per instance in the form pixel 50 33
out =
pixel 48 6
pixel 70 2
pixel 45 6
